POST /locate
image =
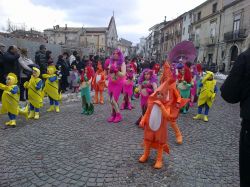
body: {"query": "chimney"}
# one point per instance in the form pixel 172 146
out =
pixel 65 26
pixel 165 17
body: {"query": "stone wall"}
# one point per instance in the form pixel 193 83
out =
pixel 31 46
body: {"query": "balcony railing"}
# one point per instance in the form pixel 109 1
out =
pixel 210 41
pixel 235 35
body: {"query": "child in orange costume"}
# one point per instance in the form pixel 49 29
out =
pixel 99 83
pixel 175 102
pixel 155 122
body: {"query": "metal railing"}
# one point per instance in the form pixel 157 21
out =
pixel 235 35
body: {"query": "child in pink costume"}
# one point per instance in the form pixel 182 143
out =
pixel 128 89
pixel 116 76
pixel 147 85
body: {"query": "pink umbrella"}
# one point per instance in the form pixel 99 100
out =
pixel 183 52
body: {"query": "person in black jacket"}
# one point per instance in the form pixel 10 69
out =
pixel 11 64
pixel 236 88
pixel 79 64
pixel 2 79
pixel 41 60
pixel 64 67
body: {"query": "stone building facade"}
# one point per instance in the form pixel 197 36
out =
pixel 88 40
pixel 125 46
pixel 171 35
pixel 235 28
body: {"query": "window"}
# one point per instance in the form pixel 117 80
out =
pixel 189 29
pixel 183 30
pixel 212 29
pixel 198 16
pixel 210 59
pixel 214 7
pixel 236 25
pixel 184 18
pixel 197 34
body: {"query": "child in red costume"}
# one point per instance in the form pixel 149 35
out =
pixel 90 72
pixel 133 64
pixel 156 68
pixel 99 83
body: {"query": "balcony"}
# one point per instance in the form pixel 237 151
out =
pixel 210 41
pixel 235 35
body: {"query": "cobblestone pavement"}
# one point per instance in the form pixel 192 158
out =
pixel 70 149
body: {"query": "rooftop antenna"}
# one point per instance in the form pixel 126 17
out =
pixel 113 13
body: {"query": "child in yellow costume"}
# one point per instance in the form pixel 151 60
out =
pixel 207 95
pixel 35 93
pixel 10 99
pixel 51 88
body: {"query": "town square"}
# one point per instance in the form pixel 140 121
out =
pixel 129 93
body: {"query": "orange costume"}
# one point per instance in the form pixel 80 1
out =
pixel 175 102
pixel 155 122
pixel 99 83
pixel 162 108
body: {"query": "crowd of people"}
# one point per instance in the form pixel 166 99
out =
pixel 165 90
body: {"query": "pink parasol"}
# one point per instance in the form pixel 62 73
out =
pixel 183 52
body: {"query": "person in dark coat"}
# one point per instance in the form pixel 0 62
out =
pixel 41 60
pixel 236 88
pixel 11 64
pixel 79 64
pixel 145 65
pixel 49 58
pixel 2 79
pixel 64 67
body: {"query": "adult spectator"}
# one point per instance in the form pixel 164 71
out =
pixel 2 80
pixel 25 72
pixel 145 64
pixel 79 64
pixel 49 58
pixel 40 59
pixel 152 63
pixel 72 57
pixel 11 64
pixel 236 88
pixel 64 67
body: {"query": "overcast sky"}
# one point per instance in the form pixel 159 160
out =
pixel 133 17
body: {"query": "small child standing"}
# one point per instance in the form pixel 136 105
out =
pixel 52 88
pixel 207 95
pixel 75 76
pixel 35 95
pixel 128 91
pixel 87 106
